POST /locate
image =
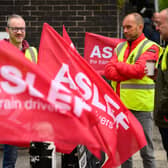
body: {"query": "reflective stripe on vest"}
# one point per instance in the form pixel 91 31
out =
pixel 141 46
pixel 137 86
pixel 136 94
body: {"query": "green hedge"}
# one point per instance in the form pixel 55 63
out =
pixel 163 4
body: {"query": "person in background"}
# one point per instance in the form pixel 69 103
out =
pixel 155 18
pixel 16 28
pixel 126 69
pixel 149 25
pixel 161 91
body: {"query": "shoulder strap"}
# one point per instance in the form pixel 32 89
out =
pixel 119 47
pixel 146 41
pixel 32 54
pixel 164 59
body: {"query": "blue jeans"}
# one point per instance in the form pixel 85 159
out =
pixel 10 156
pixel 147 153
pixel 164 135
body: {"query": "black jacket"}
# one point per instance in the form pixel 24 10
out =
pixel 161 97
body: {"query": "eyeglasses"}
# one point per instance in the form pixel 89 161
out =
pixel 16 29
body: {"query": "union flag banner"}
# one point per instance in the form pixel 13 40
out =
pixel 63 100
pixel 35 108
pixel 67 38
pixel 99 50
pixel 117 130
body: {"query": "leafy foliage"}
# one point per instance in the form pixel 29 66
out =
pixel 163 4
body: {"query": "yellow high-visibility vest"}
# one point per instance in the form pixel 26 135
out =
pixel 31 54
pixel 136 94
pixel 164 61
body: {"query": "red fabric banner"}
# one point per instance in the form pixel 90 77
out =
pixel 67 38
pixel 26 115
pixel 63 100
pixel 99 50
pixel 116 123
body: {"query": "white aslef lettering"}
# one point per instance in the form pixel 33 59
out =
pixel 15 83
pixel 95 100
pixel 84 84
pixel 30 80
pixel 80 105
pixel 107 52
pixel 120 120
pixel 59 96
pixel 61 77
pixel 14 76
pixel 96 52
pixel 109 101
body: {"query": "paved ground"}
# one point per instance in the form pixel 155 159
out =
pixel 160 154
pixel 23 159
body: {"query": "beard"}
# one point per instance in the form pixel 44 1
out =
pixel 131 38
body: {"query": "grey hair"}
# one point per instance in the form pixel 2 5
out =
pixel 12 17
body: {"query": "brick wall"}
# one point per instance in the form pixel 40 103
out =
pixel 78 16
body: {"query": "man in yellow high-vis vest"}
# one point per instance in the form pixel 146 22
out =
pixel 16 28
pixel 129 80
pixel 161 91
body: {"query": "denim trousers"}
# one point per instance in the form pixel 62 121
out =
pixel 164 136
pixel 146 153
pixel 10 156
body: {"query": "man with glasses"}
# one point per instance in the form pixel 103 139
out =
pixel 16 28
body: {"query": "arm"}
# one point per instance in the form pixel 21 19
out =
pixel 137 70
pixel 111 72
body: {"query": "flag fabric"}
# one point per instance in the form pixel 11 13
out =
pixel 67 38
pixel 117 126
pixel 99 50
pixel 28 111
pixel 63 100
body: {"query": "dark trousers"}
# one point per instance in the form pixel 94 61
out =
pixel 10 156
pixel 164 136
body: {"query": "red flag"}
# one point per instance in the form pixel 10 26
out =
pixel 99 50
pixel 67 38
pixel 25 112
pixel 77 102
pixel 118 131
